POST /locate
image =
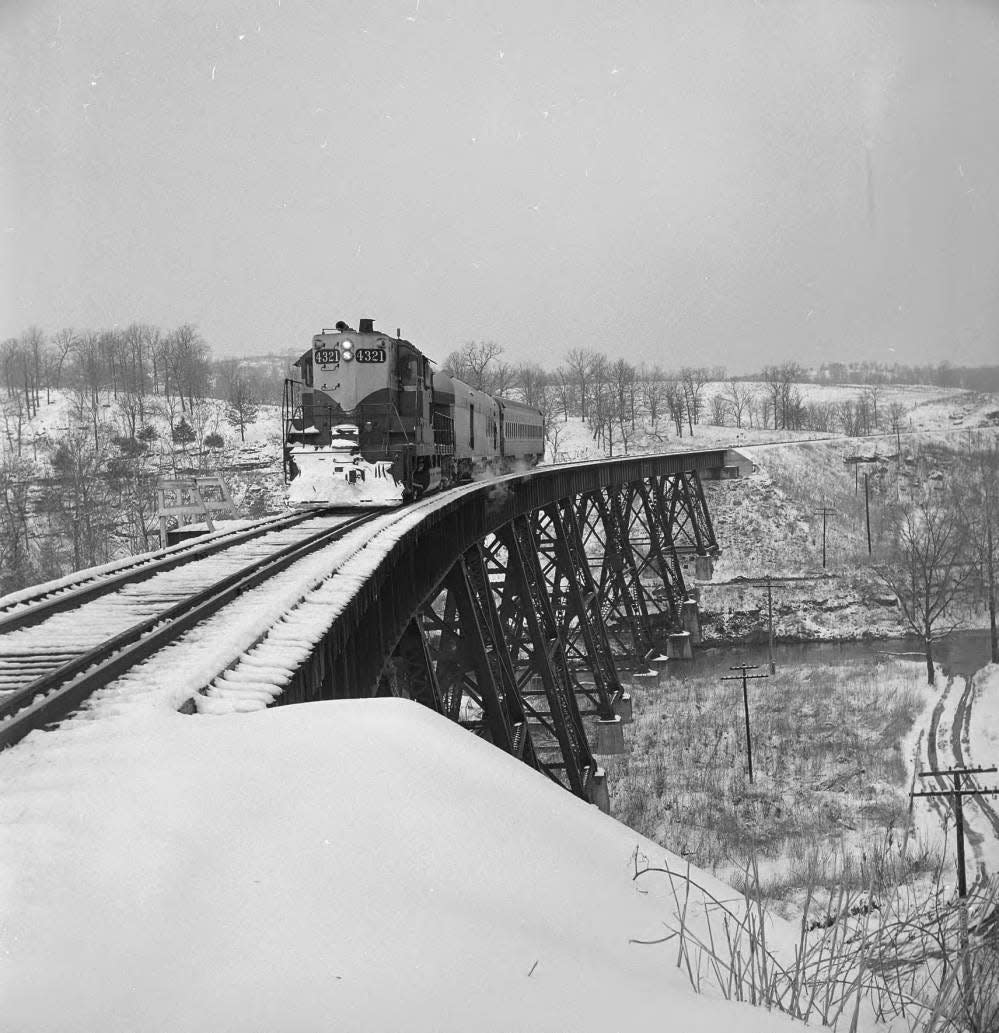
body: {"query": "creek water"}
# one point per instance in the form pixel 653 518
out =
pixel 960 653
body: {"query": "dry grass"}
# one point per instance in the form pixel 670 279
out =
pixel 922 963
pixel 828 766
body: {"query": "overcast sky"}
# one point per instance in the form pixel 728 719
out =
pixel 684 181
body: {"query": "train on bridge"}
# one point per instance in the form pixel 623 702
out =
pixel 371 423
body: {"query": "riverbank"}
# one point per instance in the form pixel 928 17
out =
pixel 819 560
pixel 843 607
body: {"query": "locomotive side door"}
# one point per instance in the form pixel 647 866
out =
pixel 410 383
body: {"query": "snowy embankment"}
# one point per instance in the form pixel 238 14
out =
pixel 982 748
pixel 354 865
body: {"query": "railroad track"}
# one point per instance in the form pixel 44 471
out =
pixel 21 609
pixel 49 665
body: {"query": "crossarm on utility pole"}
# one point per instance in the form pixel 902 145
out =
pixel 957 793
pixel 745 703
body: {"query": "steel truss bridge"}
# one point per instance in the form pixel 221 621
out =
pixel 511 607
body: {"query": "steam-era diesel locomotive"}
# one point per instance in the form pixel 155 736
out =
pixel 370 423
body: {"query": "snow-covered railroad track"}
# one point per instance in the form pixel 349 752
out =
pixel 47 670
pixel 35 604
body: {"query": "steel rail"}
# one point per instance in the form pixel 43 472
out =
pixel 49 699
pixel 36 608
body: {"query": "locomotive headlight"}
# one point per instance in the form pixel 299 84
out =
pixel 348 351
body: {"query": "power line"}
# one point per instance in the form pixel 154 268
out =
pixel 745 702
pixel 824 512
pixel 958 793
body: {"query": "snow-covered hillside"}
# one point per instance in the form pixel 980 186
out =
pixel 361 865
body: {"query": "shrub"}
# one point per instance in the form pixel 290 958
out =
pixel 183 433
pixel 129 447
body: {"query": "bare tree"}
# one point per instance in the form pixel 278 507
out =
pixel 33 340
pixel 622 377
pixel 80 503
pixel 676 404
pixel 241 404
pixel 785 399
pixel 819 416
pixel 204 417
pixel 719 409
pixel 582 361
pixel 739 397
pixel 502 377
pixel 872 394
pixel 14 413
pixel 15 537
pixel 184 354
pixel 16 370
pixel 548 403
pixel 693 380
pixel 59 351
pixel 653 394
pixel 928 569
pixel 89 381
pixel 897 415
pixel 565 385
pixel 530 380
pixel 472 363
pixel 600 408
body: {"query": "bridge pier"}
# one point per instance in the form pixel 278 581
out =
pixel 679 647
pixel 598 790
pixel 622 707
pixel 610 736
pixel 690 620
pixel 704 567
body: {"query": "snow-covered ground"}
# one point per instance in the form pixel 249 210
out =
pixel 982 750
pixel 360 865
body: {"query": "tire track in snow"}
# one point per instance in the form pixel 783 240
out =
pixel 960 738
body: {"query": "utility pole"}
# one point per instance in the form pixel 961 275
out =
pixel 745 703
pixel 867 511
pixel 770 621
pixel 825 512
pixel 958 792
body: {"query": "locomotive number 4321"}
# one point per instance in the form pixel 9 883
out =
pixel 327 356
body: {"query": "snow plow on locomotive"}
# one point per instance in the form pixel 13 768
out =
pixel 370 423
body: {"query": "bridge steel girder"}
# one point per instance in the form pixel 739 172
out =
pixel 576 605
pixel 539 656
pixel 680 498
pixel 468 656
pixel 657 559
pixel 624 603
pixel 411 672
pixel 394 631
